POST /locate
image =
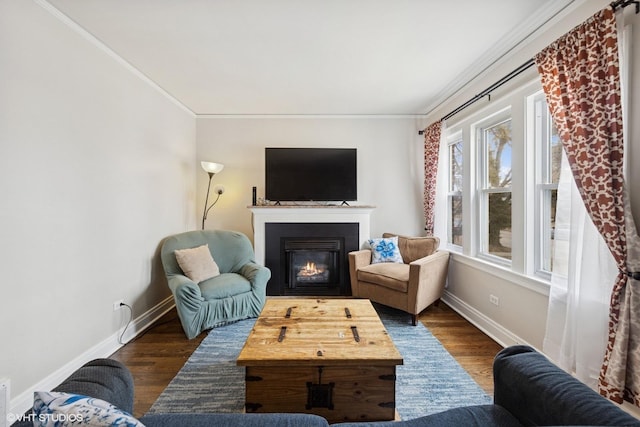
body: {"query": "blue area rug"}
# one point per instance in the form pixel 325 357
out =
pixel 430 380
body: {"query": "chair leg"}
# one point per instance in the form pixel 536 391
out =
pixel 414 319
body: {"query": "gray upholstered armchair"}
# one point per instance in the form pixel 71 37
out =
pixel 234 288
pixel 411 285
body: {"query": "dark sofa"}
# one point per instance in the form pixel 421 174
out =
pixel 529 390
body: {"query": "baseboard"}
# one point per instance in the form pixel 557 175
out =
pixel 491 328
pixel 21 403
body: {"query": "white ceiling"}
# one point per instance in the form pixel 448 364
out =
pixel 333 57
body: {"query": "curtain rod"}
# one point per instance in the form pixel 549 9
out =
pixel 624 3
pixel 487 92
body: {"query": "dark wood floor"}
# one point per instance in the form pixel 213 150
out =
pixel 473 350
pixel 155 357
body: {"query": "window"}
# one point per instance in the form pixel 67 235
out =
pixel 504 164
pixel 548 160
pixel 454 198
pixel 494 187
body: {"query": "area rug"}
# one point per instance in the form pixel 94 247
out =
pixel 429 381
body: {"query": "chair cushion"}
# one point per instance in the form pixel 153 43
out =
pixel 388 274
pixel 223 286
pixel 413 248
pixel 197 263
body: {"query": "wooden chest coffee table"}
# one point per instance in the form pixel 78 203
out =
pixel 331 357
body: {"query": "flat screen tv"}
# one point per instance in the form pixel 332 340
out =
pixel 311 174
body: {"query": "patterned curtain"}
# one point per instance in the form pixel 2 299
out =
pixel 580 77
pixel 431 150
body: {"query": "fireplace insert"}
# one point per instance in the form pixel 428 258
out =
pixel 309 258
pixel 312 262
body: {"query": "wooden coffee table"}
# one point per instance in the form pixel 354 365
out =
pixel 331 357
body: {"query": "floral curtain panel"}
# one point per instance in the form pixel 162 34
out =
pixel 431 150
pixel 580 77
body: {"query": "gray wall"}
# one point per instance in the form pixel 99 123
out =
pixel 96 167
pixel 389 164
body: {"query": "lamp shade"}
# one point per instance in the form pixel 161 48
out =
pixel 211 167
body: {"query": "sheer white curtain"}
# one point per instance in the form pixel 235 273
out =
pixel 583 275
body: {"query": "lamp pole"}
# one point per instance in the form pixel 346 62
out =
pixel 211 169
pixel 206 200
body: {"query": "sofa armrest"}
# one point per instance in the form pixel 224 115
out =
pixel 436 261
pixel 357 260
pixel 188 299
pixel 234 420
pixel 104 379
pixel 186 292
pixel 427 279
pixel 537 392
pixel 360 258
pixel 182 285
pixel 257 274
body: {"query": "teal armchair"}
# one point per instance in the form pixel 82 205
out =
pixel 237 293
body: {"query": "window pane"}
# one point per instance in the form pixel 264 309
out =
pixel 499 230
pixel 498 146
pixel 455 179
pixel 455 190
pixel 547 138
pixel 548 164
pixel 549 201
pixel 456 220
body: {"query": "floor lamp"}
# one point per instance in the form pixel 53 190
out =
pixel 212 169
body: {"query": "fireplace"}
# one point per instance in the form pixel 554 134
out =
pixel 312 262
pixel 309 258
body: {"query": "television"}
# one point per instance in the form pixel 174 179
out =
pixel 311 174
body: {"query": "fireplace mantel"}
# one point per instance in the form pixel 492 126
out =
pixel 308 214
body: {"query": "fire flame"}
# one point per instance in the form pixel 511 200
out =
pixel 310 269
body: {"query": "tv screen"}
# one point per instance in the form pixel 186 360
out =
pixel 311 174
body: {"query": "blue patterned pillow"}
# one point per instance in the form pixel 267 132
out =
pixel 55 409
pixel 385 250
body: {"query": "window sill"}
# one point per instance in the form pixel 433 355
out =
pixel 535 284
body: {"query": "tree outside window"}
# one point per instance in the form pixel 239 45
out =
pixel 496 189
pixel 455 190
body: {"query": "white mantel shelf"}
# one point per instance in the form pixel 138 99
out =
pixel 306 213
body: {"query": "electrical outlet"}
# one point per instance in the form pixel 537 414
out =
pixel 117 305
pixel 494 300
pixel 4 401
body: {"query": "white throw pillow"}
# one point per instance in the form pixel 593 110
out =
pixel 56 409
pixel 197 263
pixel 385 250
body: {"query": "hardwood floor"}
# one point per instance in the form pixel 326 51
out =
pixel 155 357
pixel 471 348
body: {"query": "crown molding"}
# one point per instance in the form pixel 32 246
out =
pixel 58 14
pixel 309 116
pixel 503 49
